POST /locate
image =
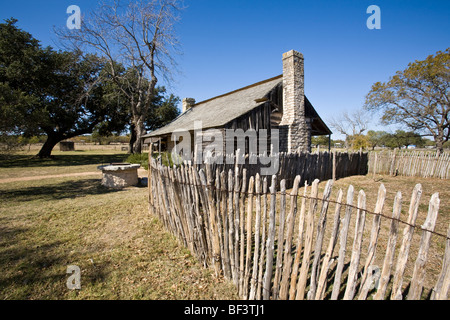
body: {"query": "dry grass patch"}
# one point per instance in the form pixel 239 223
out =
pixel 123 252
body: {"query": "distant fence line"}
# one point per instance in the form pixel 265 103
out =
pixel 407 163
pixel 321 165
pixel 271 247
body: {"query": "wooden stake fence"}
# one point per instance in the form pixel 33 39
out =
pixel 410 163
pixel 276 244
pixel 309 166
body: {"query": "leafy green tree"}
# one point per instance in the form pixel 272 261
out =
pixel 402 139
pixel 320 140
pixel 418 97
pixel 376 138
pixel 74 104
pixel 60 94
pixel 22 69
pixel 358 141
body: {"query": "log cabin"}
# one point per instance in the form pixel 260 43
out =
pixel 277 103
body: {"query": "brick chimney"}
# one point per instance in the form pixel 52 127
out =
pixel 296 126
pixel 188 103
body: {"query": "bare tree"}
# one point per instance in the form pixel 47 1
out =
pixel 350 124
pixel 138 40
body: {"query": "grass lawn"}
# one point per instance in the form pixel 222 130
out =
pixel 122 251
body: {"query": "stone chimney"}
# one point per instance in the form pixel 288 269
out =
pixel 296 126
pixel 188 103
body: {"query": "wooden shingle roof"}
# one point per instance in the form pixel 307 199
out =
pixel 220 110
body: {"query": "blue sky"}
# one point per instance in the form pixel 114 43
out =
pixel 230 44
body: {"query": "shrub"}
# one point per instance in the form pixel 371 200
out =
pixel 140 158
pixel 166 158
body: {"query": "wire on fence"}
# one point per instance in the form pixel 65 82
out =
pixel 213 187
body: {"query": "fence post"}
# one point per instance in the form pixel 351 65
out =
pixel 280 240
pixel 149 179
pixel 301 224
pixel 416 283
pixel 387 264
pixel 342 245
pixel 242 233
pixel 216 259
pixel 332 243
pixel 248 253
pixel 356 251
pixel 442 287
pixel 406 243
pixel 301 285
pixel 226 261
pixel 257 237
pixel 334 165
pixel 199 217
pixel 270 240
pixel 231 232
pixel 319 239
pixel 366 280
pixel 263 238
pixel 202 193
pixel 288 245
pixel 435 159
pixel 237 196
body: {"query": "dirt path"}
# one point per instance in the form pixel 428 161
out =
pixel 141 172
pixel 50 177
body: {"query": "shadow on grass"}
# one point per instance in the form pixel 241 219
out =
pixel 27 267
pixel 26 161
pixel 38 270
pixel 69 189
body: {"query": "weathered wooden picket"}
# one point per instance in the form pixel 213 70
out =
pixel 269 242
pixel 410 163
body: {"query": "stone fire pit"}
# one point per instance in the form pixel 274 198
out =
pixel 120 175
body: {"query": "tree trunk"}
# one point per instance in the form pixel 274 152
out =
pixel 132 139
pixel 50 143
pixel 139 131
pixel 439 139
